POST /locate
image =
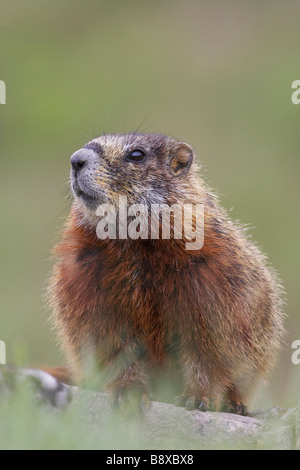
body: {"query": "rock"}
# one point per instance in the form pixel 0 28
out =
pixel 163 426
pixel 278 430
pixel 168 423
pixel 46 389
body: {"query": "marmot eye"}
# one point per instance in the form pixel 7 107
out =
pixel 136 155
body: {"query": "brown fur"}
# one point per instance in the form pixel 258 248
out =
pixel 60 373
pixel 129 303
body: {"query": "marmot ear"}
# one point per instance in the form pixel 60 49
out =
pixel 181 159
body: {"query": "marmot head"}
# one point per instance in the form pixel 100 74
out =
pixel 146 168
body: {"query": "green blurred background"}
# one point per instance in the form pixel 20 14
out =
pixel 215 74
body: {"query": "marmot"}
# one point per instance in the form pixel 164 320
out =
pixel 130 303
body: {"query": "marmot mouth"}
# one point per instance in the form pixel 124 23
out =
pixel 90 200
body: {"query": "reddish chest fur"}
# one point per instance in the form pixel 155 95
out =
pixel 140 289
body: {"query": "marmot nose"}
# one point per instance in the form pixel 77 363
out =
pixel 79 159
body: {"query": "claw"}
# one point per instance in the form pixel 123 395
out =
pixel 236 408
pixel 203 406
pixel 131 400
pixel 191 402
pixel 180 400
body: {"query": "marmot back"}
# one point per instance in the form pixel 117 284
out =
pixel 134 306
